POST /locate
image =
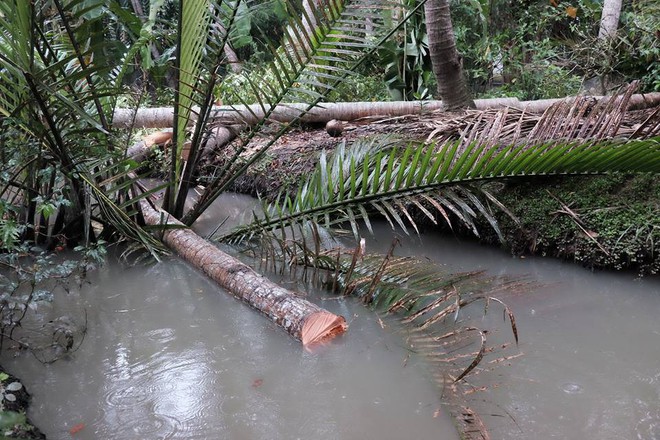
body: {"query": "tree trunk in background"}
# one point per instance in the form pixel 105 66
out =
pixel 234 63
pixel 232 58
pixel 302 319
pixel 309 19
pixel 447 63
pixel 609 21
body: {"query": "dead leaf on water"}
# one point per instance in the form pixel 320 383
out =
pixel 76 428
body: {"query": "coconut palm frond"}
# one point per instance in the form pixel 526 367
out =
pixel 428 299
pixel 444 178
pixel 194 21
pixel 583 117
pixel 115 215
pixel 324 42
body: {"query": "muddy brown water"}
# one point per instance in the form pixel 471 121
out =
pixel 170 355
pixel 590 367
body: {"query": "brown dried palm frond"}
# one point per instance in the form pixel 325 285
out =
pixel 575 118
pixel 429 299
pixel 581 118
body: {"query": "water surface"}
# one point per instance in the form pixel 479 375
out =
pixel 591 344
pixel 168 354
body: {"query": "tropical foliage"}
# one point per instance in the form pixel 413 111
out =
pixel 60 85
pixel 61 81
pixel 541 49
pixel 449 178
pixel 66 180
pixel 308 65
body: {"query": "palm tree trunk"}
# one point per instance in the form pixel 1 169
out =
pixel 232 58
pixel 302 319
pixel 609 22
pixel 217 138
pixel 447 63
pixel 309 19
pixel 343 111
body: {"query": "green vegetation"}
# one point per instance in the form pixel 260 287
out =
pixel 600 222
pixel 65 180
pixel 541 49
pixel 371 180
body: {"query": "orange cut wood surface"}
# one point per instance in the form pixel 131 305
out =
pixel 322 326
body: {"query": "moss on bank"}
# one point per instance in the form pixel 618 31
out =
pixel 13 407
pixel 608 222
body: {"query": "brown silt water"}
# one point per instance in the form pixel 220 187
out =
pixel 168 354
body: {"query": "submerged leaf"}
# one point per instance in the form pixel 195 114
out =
pixel 14 386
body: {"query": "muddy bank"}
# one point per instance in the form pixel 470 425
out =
pixel 605 222
pixel 14 405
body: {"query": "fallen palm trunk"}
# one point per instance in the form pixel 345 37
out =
pixel 346 111
pixel 218 137
pixel 302 319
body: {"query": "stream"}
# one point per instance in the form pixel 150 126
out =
pixel 168 354
pixel 590 367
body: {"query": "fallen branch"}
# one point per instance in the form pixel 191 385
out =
pixel 217 137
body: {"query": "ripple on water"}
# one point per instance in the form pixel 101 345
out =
pixel 161 335
pixel 142 427
pixel 175 387
pixel 648 428
pixel 193 394
pixel 136 382
pixel 137 390
pixel 572 388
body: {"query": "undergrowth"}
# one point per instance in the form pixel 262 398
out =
pixel 599 222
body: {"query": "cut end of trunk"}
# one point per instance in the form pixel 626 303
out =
pixel 321 327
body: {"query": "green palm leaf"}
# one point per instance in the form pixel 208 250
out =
pixel 317 52
pixel 447 177
pixel 55 87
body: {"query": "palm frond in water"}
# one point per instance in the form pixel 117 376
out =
pixel 428 299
